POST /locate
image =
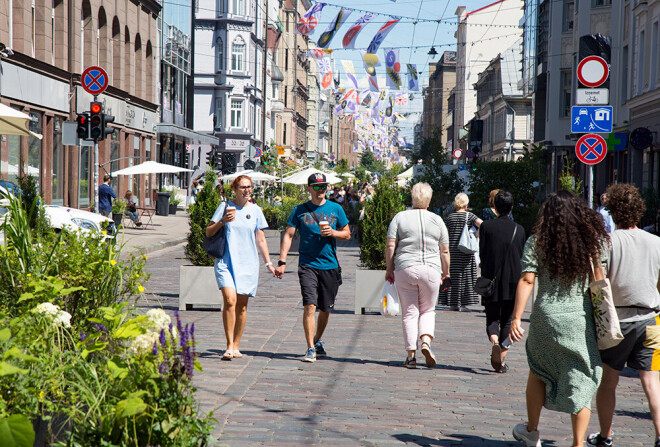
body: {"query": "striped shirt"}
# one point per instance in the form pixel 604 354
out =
pixel 417 233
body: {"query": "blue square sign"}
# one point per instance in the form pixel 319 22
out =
pixel 590 119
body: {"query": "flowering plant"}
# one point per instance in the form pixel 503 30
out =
pixel 59 317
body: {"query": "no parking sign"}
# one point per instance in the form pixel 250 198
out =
pixel 591 149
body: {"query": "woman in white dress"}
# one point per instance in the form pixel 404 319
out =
pixel 237 273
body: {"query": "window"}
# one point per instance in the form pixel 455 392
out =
pixel 567 20
pixel 83 176
pixel 236 113
pixel 34 28
pixel 220 54
pixel 239 7
pixel 284 135
pixel 597 3
pixel 653 78
pixel 641 62
pixel 34 144
pixel 237 55
pixel 565 98
pixel 251 119
pixel 286 58
pixel 286 96
pixel 624 75
pixel 218 124
pixel 57 174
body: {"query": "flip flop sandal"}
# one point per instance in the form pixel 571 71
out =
pixel 237 354
pixel 428 354
pixel 228 355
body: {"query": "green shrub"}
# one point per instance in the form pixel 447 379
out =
pixel 118 206
pixel 32 203
pixel 200 214
pixel 378 213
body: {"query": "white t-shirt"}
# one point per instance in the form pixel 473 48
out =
pixel 418 233
pixel 634 264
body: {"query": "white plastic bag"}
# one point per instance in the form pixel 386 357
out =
pixel 389 303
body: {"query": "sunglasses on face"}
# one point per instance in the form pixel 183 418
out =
pixel 320 187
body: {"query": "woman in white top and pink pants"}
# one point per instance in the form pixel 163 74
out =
pixel 421 243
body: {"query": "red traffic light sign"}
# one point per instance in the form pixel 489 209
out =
pixel 592 71
pixel 591 149
pixel 94 80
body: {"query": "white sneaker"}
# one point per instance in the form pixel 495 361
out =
pixel 529 438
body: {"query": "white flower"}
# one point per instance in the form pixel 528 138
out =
pixel 143 343
pixel 47 309
pixel 60 317
pixel 158 319
pixel 63 318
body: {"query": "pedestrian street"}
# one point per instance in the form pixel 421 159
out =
pixel 359 395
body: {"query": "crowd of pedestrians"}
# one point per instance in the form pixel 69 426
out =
pixel 571 246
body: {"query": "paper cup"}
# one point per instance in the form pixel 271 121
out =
pixel 231 210
pixel 324 224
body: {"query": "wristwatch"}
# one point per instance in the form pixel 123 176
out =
pixel 280 263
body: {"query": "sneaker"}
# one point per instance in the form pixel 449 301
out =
pixel 310 355
pixel 600 441
pixel 529 438
pixel 320 350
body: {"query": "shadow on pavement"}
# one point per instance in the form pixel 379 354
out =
pixel 458 440
pixel 634 414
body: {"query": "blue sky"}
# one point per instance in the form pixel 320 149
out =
pixel 415 40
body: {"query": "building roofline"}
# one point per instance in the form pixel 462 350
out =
pixel 482 8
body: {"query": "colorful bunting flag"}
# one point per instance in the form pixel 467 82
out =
pixel 310 20
pixel 325 68
pixel 316 53
pixel 371 61
pixel 351 35
pixel 413 78
pixel 393 68
pixel 326 37
pixel 350 71
pixel 381 34
pixel 401 100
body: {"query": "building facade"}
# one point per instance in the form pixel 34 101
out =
pixel 436 97
pixel 50 46
pixel 229 76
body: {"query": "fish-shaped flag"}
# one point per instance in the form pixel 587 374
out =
pixel 371 61
pixel 326 37
pixel 413 78
pixel 351 35
pixel 381 34
pixel 310 20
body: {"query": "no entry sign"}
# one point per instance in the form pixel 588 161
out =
pixel 94 80
pixel 458 153
pixel 592 71
pixel 591 149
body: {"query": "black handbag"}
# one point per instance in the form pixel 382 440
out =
pixel 215 245
pixel 486 287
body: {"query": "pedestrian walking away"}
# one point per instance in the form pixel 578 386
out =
pixel 604 211
pixel 421 243
pixel 501 243
pixel 634 272
pixel 106 194
pixel 237 273
pixel 320 222
pixel 463 267
pixel 562 351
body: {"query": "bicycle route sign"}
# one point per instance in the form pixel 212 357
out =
pixel 591 149
pixel 94 80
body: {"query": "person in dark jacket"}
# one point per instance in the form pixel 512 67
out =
pixel 500 259
pixel 106 194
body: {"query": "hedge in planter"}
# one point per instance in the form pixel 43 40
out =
pixel 378 213
pixel 201 212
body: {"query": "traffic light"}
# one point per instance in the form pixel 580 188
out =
pixel 107 119
pixel 331 165
pixel 83 126
pixel 209 158
pixel 96 121
pixel 217 160
pixel 186 159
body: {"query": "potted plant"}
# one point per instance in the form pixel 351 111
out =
pixel 197 283
pixel 118 208
pixel 174 203
pixel 378 213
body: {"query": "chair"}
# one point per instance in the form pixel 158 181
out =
pixel 146 214
pixel 127 222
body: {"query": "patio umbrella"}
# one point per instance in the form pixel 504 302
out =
pixel 150 167
pixel 347 175
pixel 235 174
pixel 300 178
pixel 13 122
pixel 262 177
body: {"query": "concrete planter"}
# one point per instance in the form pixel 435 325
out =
pixel 197 287
pixel 295 243
pixel 368 287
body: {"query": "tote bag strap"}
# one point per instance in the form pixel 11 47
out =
pixel 513 236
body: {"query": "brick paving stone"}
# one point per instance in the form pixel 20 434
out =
pixel 360 395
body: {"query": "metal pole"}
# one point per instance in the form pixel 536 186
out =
pixel 264 93
pixel 96 176
pixel 591 187
pixel 282 180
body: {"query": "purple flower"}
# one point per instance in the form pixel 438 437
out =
pixel 162 339
pixel 154 351
pixel 99 327
pixel 83 336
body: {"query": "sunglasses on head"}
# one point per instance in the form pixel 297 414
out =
pixel 320 187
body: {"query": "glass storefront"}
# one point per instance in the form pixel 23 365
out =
pixel 34 145
pixel 14 153
pixel 58 163
pixel 83 176
pixel 136 161
pixel 114 155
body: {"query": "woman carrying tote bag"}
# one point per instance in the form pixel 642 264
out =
pixel 237 272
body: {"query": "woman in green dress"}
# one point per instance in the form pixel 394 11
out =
pixel 562 352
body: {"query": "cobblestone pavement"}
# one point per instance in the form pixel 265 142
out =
pixel 360 395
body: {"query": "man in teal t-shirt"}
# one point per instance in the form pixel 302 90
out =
pixel 318 268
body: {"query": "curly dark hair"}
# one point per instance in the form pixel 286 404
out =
pixel 625 204
pixel 568 235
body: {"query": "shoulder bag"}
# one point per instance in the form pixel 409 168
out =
pixel 486 287
pixel 215 245
pixel 608 329
pixel 468 243
pixel 333 244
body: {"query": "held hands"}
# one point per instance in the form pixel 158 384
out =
pixel 271 269
pixel 279 271
pixel 517 332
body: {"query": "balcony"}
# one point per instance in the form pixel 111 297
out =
pixel 276 106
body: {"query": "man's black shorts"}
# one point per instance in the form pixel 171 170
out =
pixel 631 350
pixel 319 287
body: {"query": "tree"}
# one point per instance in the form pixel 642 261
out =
pixel 342 166
pixel 367 159
pixel 206 202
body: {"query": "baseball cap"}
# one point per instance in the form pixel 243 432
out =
pixel 317 179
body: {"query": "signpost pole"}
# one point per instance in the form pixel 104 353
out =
pixel 590 194
pixel 96 177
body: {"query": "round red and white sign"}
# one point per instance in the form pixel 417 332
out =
pixel 458 153
pixel 591 149
pixel 592 71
